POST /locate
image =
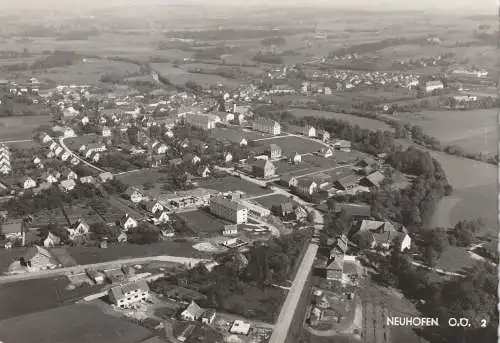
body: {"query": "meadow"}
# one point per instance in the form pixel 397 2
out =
pixel 291 144
pixel 21 128
pixel 78 323
pixel 474 131
pixel 364 123
pixel 233 183
pixel 202 222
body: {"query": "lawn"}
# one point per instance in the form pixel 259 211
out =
pixel 233 183
pixel 89 255
pixel 364 123
pixel 455 259
pixel 7 256
pixel 236 134
pixel 474 131
pixel 21 127
pixel 273 200
pixel 75 143
pixel 202 222
pixel 23 297
pixel 291 144
pixel 78 323
pixel 139 177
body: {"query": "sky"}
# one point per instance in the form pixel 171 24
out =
pixel 471 6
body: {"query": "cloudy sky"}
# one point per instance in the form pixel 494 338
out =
pixel 481 6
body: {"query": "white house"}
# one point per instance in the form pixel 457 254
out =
pixel 106 131
pixel 51 240
pixel 296 158
pixel 58 150
pixel 127 222
pixel 85 120
pixel 240 327
pixel 50 178
pixel 134 195
pixel 68 132
pixel 95 157
pixel 243 142
pixel 65 156
pixel 78 229
pixel 126 295
pixel 431 86
pixel 161 217
pixel 228 157
pixel 309 131
pixel 193 312
pixel 28 183
pixel 67 185
pixel 153 207
pixel 87 179
pixel 37 160
pixel 326 152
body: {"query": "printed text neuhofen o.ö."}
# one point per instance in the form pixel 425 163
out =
pixel 412 321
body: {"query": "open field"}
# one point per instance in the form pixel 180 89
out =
pixel 291 144
pixel 23 297
pixel 233 183
pixel 474 131
pixel 364 123
pixel 180 76
pixel 7 256
pixel 74 143
pixel 455 259
pixel 202 222
pixel 20 128
pixel 88 72
pixel 89 255
pixel 78 323
pixel 139 177
pixel 236 134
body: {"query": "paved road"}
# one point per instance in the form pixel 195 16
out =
pixel 111 264
pixel 61 141
pixel 288 309
pixel 16 141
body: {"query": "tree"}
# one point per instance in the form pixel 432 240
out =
pixel 100 230
pixel 436 239
pixel 132 134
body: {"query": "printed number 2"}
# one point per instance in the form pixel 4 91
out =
pixel 483 323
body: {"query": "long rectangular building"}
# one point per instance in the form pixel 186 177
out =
pixel 229 210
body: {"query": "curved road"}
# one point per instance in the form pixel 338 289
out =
pixel 61 142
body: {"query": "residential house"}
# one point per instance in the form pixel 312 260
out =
pixel 65 155
pixel 295 158
pixel 326 152
pixel 159 148
pixel 185 143
pixel 228 157
pixel 95 147
pixel 105 177
pixel 96 276
pixel 36 160
pixel 45 138
pixel 383 234
pixel 122 237
pixel 126 295
pixel 37 258
pixel 51 241
pixel 58 151
pixel 289 181
pixel 431 86
pixel 309 131
pixel 68 174
pixel 161 217
pixel 208 317
pixel 193 312
pixel 127 222
pixel 85 120
pixel 372 180
pixel 335 267
pixel 263 168
pixel 345 183
pixel 28 183
pixel 87 179
pixel 243 142
pixel 342 145
pixel 240 327
pixel 324 135
pixel 204 172
pixel 134 195
pixel 106 131
pixel 274 152
pixel 300 213
pixel 306 187
pixel 79 229
pixel 199 145
pixel 228 209
pixel 49 177
pixel 191 158
pixel 286 209
pixel 67 185
pixel 267 126
pixel 230 230
pixel 153 207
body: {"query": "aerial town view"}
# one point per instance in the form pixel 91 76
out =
pixel 224 173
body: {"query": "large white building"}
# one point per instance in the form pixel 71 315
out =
pixel 229 210
pixel 267 125
pixel 128 294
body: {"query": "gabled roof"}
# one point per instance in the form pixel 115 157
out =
pixel 375 178
pixel 286 207
pixel 194 309
pixel 274 147
pixel 35 250
pixel 120 291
